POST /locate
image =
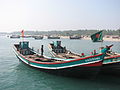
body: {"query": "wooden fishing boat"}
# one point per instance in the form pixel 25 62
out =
pixel 59 51
pixel 76 66
pixel 15 36
pixel 111 60
pixel 75 37
pixel 53 37
pixel 38 37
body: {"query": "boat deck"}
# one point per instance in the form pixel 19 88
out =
pixel 68 55
pixel 32 56
pixel 62 52
pixel 36 57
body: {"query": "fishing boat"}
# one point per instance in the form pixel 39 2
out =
pixel 72 66
pixel 59 51
pixel 75 37
pixel 15 36
pixel 38 37
pixel 53 37
pixel 56 50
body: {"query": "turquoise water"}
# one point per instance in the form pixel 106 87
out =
pixel 15 75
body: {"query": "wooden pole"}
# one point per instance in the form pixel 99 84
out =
pixel 119 33
pixel 22 32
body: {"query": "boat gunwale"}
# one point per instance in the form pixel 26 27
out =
pixel 58 62
pixel 111 57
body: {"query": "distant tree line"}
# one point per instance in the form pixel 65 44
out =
pixel 69 32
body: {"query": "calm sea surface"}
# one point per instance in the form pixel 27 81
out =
pixel 15 75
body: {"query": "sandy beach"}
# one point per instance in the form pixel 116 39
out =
pixel 88 38
pixel 105 39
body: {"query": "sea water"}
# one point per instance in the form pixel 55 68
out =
pixel 15 75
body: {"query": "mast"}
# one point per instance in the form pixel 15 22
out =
pixel 118 38
pixel 22 32
pixel 119 33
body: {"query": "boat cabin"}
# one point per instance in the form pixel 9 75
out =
pixel 23 48
pixel 57 48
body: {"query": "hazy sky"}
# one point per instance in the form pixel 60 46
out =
pixel 16 15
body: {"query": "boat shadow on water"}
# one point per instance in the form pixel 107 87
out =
pixel 69 73
pixel 107 80
pixel 104 81
pixel 111 72
pixel 103 73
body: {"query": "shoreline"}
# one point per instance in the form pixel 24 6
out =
pixel 105 39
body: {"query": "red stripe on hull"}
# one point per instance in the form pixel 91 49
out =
pixel 58 62
pixel 112 57
pixel 93 64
